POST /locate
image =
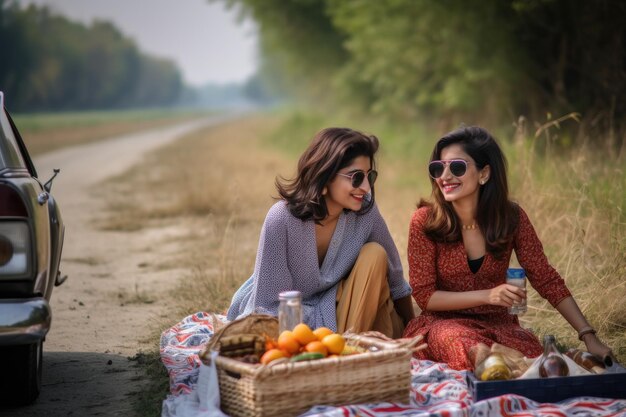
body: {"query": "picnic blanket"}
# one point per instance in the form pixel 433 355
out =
pixel 436 390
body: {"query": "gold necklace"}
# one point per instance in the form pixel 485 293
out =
pixel 469 226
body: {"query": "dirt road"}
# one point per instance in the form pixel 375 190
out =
pixel 103 311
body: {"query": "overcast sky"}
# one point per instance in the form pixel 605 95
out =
pixel 203 38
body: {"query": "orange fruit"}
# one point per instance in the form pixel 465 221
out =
pixel 322 332
pixel 272 355
pixel 334 342
pixel 316 346
pixel 270 343
pixel 303 334
pixel 287 342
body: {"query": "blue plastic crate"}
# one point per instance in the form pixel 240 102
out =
pixel 550 390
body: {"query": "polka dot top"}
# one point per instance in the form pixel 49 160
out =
pixel 287 260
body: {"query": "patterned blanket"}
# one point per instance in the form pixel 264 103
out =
pixel 436 390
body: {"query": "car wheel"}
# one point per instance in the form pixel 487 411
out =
pixel 21 376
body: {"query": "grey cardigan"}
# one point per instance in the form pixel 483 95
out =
pixel 287 260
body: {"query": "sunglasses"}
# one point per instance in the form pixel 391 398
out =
pixel 357 177
pixel 458 167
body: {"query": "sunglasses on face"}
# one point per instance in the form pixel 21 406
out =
pixel 458 167
pixel 357 177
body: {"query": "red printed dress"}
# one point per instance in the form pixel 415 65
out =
pixel 443 266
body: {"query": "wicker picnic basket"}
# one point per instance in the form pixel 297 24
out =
pixel 382 374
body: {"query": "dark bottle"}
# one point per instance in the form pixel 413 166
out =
pixel 552 362
pixel 587 360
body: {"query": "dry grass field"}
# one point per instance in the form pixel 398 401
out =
pixel 576 201
pixel 219 183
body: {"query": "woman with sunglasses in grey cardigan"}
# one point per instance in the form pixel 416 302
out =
pixel 326 238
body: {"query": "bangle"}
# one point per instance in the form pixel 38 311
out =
pixel 584 331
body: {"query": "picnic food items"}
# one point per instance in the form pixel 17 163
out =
pixel 587 360
pixel 316 346
pixel 303 334
pixel 272 355
pixel 493 368
pixel 286 387
pixel 238 341
pixel 246 347
pixel 288 342
pixel 254 325
pixel 320 332
pixel 513 358
pixel 304 340
pixel 578 381
pixel 370 368
pixel 335 343
pixel 307 356
pixel 498 354
pixel 552 363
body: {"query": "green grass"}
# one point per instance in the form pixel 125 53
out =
pixel 45 132
pixel 147 402
pixel 34 122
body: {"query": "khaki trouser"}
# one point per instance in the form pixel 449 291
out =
pixel 363 299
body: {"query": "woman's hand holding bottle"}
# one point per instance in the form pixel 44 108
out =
pixel 506 295
pixel 595 346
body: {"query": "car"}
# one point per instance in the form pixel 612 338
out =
pixel 31 242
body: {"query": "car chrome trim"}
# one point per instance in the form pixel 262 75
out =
pixel 24 321
pixel 14 173
pixel 42 198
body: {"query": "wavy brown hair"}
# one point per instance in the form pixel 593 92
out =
pixel 496 215
pixel 330 150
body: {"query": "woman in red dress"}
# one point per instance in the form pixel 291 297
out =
pixel 460 245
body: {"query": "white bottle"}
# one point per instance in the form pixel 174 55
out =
pixel 517 277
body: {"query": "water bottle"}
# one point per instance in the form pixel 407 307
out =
pixel 517 277
pixel 289 310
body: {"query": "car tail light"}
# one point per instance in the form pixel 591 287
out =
pixel 15 240
pixel 14 248
pixel 11 205
pixel 6 250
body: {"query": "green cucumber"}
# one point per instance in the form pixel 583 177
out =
pixel 307 356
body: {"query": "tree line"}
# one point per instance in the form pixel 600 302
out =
pixel 51 63
pixel 495 59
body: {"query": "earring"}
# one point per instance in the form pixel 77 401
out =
pixel 324 191
pixel 482 182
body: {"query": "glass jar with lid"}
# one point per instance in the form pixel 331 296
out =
pixel 289 310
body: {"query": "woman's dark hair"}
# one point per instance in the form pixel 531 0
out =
pixel 496 216
pixel 330 150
